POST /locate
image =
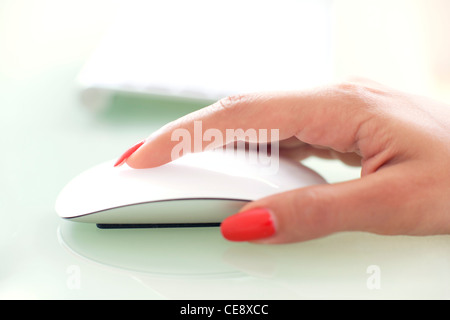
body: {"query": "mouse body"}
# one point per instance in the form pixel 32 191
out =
pixel 196 189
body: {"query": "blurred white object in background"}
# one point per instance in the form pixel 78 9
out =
pixel 210 49
pixel 402 43
pixel 437 28
pixel 206 50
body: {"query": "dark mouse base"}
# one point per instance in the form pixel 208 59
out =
pixel 158 225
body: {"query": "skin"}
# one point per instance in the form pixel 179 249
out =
pixel 400 140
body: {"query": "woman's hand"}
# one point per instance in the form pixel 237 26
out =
pixel 401 141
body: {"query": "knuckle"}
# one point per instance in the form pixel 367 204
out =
pixel 304 216
pixel 315 209
pixel 351 89
pixel 232 102
pixel 361 90
pixel 308 200
pixel 361 99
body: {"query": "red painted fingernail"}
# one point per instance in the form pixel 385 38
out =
pixel 249 225
pixel 128 153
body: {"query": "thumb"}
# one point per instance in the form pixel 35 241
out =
pixel 366 204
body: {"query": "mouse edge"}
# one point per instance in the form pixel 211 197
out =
pixel 160 213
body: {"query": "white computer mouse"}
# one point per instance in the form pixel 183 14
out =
pixel 196 189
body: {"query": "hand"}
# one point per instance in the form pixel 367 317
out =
pixel 401 141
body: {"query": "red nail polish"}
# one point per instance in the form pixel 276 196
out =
pixel 128 153
pixel 249 225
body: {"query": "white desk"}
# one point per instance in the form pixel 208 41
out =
pixel 47 138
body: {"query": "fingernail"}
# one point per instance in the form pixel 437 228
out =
pixel 128 153
pixel 248 225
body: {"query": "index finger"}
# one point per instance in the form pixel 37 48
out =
pixel 320 117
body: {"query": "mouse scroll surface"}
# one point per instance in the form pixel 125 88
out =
pixel 197 188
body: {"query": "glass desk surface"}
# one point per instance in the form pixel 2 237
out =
pixel 47 138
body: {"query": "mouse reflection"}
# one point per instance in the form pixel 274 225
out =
pixel 165 252
pixel 181 263
pixel 173 261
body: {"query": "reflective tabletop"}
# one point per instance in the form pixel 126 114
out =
pixel 48 137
